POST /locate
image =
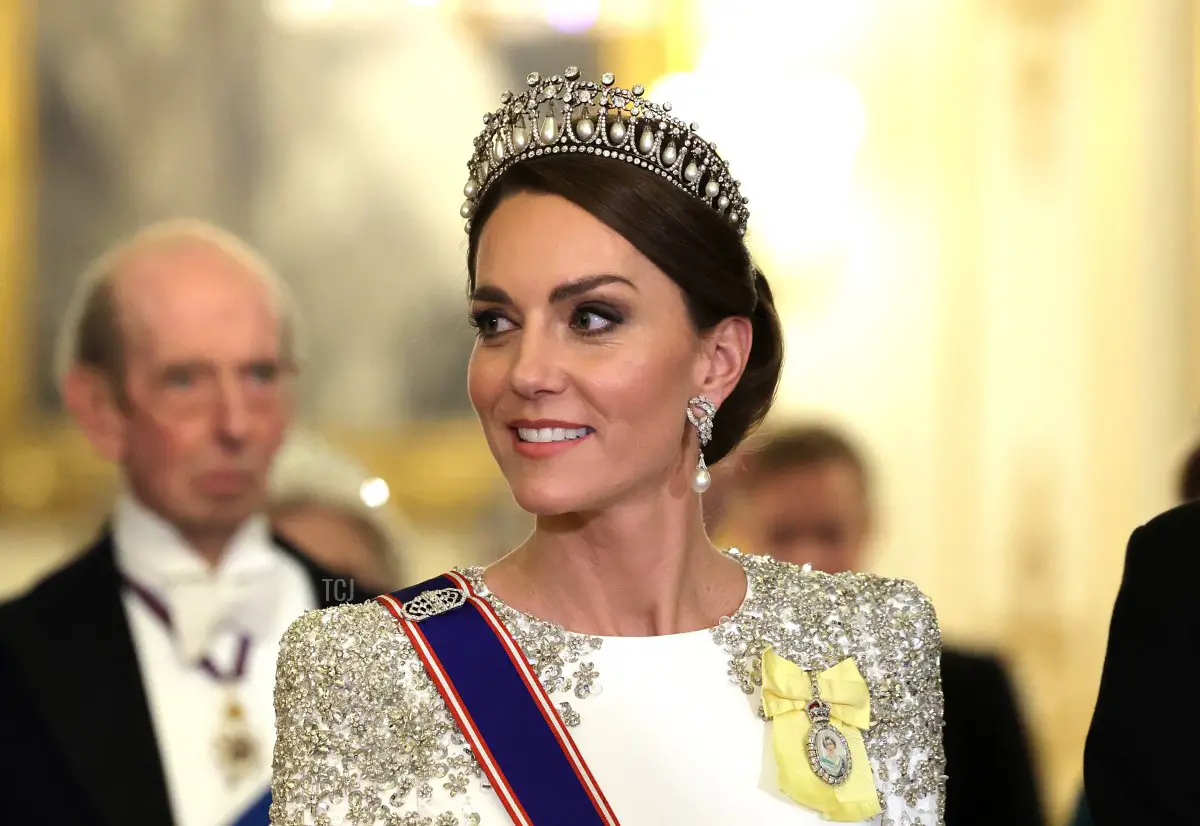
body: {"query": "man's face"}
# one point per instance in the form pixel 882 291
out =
pixel 813 514
pixel 206 395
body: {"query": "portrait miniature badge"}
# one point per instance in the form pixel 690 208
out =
pixel 828 751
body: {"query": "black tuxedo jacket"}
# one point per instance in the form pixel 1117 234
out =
pixel 1139 763
pixel 77 744
pixel 992 781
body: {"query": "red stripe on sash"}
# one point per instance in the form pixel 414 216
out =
pixel 459 710
pixel 539 694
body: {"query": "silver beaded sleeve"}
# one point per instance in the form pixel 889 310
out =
pixel 890 629
pixel 362 736
pixel 905 744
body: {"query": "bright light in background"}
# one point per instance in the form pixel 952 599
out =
pixel 803 191
pixel 771 94
pixel 374 493
pixel 795 28
pixel 572 16
pixel 797 166
pixel 682 90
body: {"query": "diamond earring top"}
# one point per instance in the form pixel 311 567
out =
pixel 563 113
pixel 703 422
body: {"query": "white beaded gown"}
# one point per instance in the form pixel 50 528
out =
pixel 670 726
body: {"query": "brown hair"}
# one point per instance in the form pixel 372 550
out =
pixel 803 446
pixel 686 239
pixel 99 344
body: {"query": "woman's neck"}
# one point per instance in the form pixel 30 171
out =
pixel 626 572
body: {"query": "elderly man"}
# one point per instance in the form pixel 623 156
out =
pixel 136 682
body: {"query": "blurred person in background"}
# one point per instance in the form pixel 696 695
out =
pixel 337 513
pixel 136 682
pixel 1152 647
pixel 804 495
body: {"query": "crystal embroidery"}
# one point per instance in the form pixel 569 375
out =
pixel 556 655
pixel 364 738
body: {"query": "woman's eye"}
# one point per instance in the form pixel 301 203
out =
pixel 490 323
pixel 592 321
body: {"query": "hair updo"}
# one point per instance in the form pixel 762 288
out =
pixel 687 240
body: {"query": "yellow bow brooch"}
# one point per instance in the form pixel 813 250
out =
pixel 818 720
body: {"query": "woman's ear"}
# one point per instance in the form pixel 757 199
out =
pixel 725 349
pixel 91 400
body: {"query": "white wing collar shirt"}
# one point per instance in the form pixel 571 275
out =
pixel 207 640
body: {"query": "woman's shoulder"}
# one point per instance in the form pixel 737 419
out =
pixel 357 718
pixel 888 626
pixel 319 633
pixel 890 630
pixel 325 655
pixel 869 599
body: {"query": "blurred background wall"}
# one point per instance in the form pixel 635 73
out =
pixel 979 218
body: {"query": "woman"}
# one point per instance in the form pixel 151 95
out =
pixel 625 341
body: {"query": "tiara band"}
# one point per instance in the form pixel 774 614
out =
pixel 563 113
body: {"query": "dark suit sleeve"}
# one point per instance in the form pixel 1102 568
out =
pixel 1139 759
pixel 31 771
pixel 1016 782
pixel 992 780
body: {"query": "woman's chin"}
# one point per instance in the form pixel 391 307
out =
pixel 555 499
pixel 541 504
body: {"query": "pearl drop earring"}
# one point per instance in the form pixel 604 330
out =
pixel 703 423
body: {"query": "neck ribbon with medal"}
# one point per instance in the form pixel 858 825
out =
pixel 236 748
pixel 818 719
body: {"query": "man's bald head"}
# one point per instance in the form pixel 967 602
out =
pixel 122 279
pixel 176 361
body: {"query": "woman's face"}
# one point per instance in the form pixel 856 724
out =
pixel 585 360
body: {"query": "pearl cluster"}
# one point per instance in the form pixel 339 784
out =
pixel 563 113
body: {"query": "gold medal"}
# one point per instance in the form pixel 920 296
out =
pixel 236 747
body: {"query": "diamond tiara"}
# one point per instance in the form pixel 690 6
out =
pixel 563 113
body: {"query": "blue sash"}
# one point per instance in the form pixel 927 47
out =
pixel 515 732
pixel 259 813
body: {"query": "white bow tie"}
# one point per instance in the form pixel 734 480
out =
pixel 203 607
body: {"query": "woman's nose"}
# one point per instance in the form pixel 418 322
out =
pixel 536 369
